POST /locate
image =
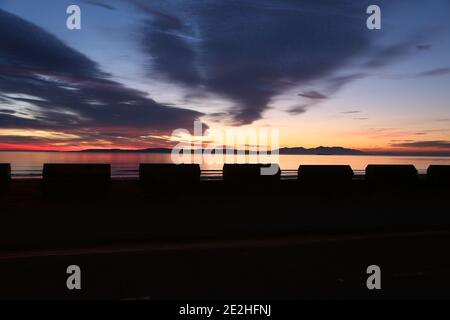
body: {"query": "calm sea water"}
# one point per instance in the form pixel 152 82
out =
pixel 125 165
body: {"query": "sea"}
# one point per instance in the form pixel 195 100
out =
pixel 28 165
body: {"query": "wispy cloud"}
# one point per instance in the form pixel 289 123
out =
pixel 351 112
pixel 434 72
pixel 70 91
pixel 439 144
pixel 297 110
pixel 312 95
pixel 384 55
pixel 233 60
pixel 424 46
pixel 99 3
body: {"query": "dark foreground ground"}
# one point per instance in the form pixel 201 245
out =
pixel 217 240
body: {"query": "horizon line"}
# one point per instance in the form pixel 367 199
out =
pixel 344 151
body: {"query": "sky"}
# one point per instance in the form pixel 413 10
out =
pixel 138 70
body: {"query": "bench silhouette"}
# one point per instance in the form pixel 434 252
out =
pixel 248 173
pixel 5 173
pixel 439 174
pixel 157 173
pixel 325 174
pixel 76 173
pixel 391 174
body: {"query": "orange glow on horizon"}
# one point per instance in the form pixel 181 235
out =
pixel 50 147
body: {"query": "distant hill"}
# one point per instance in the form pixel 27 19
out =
pixel 321 151
pixel 296 150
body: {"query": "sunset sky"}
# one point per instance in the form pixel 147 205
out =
pixel 137 70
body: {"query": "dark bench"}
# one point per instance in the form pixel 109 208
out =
pixel 324 175
pixel 391 174
pixel 439 174
pixel 5 174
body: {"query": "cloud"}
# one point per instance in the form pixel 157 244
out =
pixel 330 85
pixel 100 4
pixel 263 49
pixel 298 110
pixel 27 47
pixel 439 144
pixel 70 91
pixel 423 46
pixel 336 83
pixel 219 117
pixel 7 111
pixel 434 72
pixel 402 140
pixel 385 55
pixel 312 95
pixel 246 53
pixel 437 72
pixel 351 112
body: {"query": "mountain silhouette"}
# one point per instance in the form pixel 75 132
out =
pixel 296 150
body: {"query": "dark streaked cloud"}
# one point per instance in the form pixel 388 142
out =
pixel 246 51
pixel 25 46
pixel 330 85
pixel 440 144
pixel 7 111
pixel 336 83
pixel 101 4
pixel 298 110
pixel 351 112
pixel 434 72
pixel 424 46
pixel 401 140
pixel 384 55
pixel 312 95
pixel 68 90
